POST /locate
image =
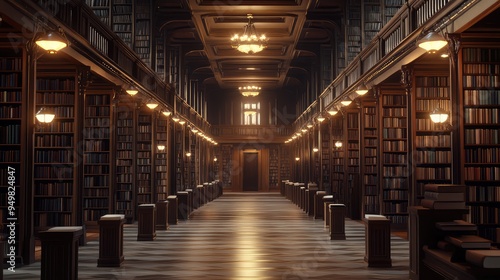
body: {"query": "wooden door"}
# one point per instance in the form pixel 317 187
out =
pixel 250 171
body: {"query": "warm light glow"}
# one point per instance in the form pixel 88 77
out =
pixel 439 116
pixel 152 104
pixel 297 159
pixel 338 144
pixel 167 113
pixel 251 91
pixel 320 118
pixel 194 130
pixel 161 147
pixel 309 125
pixel 249 112
pixel 362 89
pixel 51 43
pixel 45 115
pixel 445 55
pixel 346 102
pixel 432 42
pixel 175 119
pixel 182 122
pixel 332 112
pixel 188 154
pixel 315 150
pixel 132 91
pixel 215 158
pixel 303 130
pixel 250 42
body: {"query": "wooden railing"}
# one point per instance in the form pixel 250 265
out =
pixel 251 133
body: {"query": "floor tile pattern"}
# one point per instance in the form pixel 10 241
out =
pixel 240 236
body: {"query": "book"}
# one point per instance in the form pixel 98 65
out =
pixel 435 204
pixel 483 258
pixel 445 246
pixel 444 188
pixel 456 225
pixel 445 196
pixel 469 241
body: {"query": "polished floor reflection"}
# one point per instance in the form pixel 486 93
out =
pixel 241 236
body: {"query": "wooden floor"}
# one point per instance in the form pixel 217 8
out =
pixel 241 236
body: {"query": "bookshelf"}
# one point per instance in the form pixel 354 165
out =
pixel 285 163
pixel 97 163
pixel 179 157
pixel 12 111
pixel 372 20
pixel 144 156
pixel 326 148
pixel 161 164
pixel 353 30
pixel 480 83
pixel 391 7
pixel 173 67
pixel 432 154
pixel 160 57
pixel 55 154
pixel 394 154
pixel 369 157
pixel 227 163
pixel 124 164
pixel 122 20
pixel 337 160
pixel 101 9
pixel 353 187
pixel 274 161
pixel 143 30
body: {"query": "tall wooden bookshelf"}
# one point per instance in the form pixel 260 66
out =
pixel 161 164
pixel 226 151
pixel 480 83
pixel 394 154
pixel 144 156
pixel 122 20
pixel 391 7
pixel 55 154
pixel 326 152
pixel 97 156
pixel 12 111
pixel 125 155
pixel 353 161
pixel 143 30
pixel 372 20
pixel 285 163
pixel 274 161
pixel 160 57
pixel 338 160
pixel 370 156
pixel 179 157
pixel 432 158
pixel 101 9
pixel 353 30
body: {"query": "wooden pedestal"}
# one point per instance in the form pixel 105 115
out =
pixel 111 240
pixel 310 202
pixel 162 215
pixel 337 221
pixel 172 209
pixel 146 216
pixel 183 205
pixel 318 204
pixel 60 253
pixel 327 200
pixel 377 241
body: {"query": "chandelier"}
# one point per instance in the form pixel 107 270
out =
pixel 249 91
pixel 250 42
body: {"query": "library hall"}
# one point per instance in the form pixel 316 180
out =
pixel 250 139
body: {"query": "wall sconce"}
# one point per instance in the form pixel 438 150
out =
pixel 333 112
pixel 175 119
pixel 194 130
pixel 346 102
pixel 338 144
pixel 166 113
pixel 320 118
pixel 152 104
pixel 132 91
pixel 182 122
pixel 309 125
pixel 432 42
pixel 215 159
pixel 161 147
pixel 188 154
pixel 45 115
pixel 315 150
pixel 303 130
pixel 51 41
pixel 438 115
pixel 297 159
pixel 362 89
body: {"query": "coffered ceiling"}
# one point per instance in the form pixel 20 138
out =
pixel 293 27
